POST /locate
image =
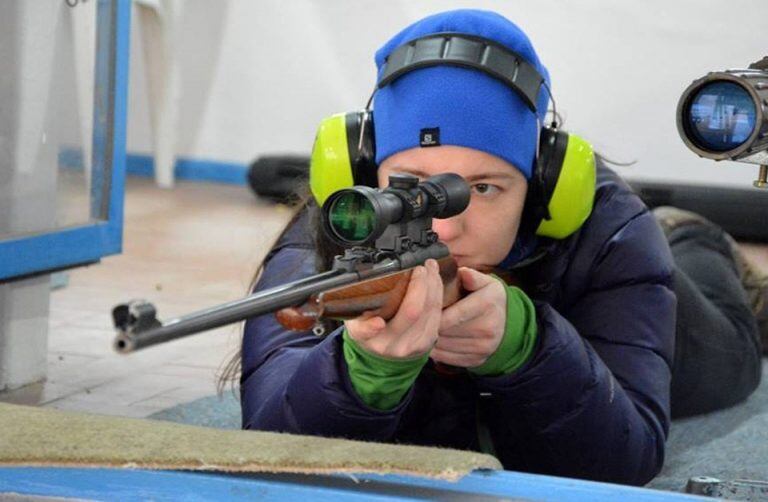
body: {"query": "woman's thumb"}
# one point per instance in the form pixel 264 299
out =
pixel 472 280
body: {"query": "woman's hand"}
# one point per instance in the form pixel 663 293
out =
pixel 472 328
pixel 412 332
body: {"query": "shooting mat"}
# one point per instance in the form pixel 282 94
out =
pixel 48 437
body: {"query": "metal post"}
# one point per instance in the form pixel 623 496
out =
pixel 762 180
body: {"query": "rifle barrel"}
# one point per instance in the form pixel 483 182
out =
pixel 256 304
pixel 133 335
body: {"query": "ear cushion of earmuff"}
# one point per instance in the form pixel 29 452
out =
pixel 362 154
pixel 568 185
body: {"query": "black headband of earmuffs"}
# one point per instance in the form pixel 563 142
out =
pixel 458 49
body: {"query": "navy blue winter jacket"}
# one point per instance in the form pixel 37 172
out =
pixel 592 402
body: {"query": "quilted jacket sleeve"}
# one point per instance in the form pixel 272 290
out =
pixel 593 402
pixel 297 382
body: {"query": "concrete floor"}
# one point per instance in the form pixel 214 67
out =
pixel 184 249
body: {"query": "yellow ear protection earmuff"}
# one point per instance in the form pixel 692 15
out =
pixel 561 190
pixel 562 186
pixel 341 156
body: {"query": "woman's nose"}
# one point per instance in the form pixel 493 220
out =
pixel 448 229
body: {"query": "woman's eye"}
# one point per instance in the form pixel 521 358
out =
pixel 485 189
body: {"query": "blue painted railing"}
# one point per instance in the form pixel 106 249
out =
pixel 134 485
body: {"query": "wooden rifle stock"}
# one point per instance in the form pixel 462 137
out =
pixel 380 296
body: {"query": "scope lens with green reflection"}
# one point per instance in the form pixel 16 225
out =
pixel 352 217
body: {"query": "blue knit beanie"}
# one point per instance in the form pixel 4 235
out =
pixel 470 108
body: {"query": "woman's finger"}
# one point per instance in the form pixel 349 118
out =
pixel 412 305
pixel 364 328
pixel 463 311
pixel 430 322
pixel 471 346
pixel 454 359
pixel 435 300
pixel 472 280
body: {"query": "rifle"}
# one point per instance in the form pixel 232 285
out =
pixel 386 233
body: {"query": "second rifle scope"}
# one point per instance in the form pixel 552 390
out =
pixel 724 115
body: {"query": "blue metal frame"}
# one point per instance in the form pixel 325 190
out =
pixel 128 485
pixel 61 248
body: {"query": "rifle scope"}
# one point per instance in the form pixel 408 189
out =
pixel 358 216
pixel 724 115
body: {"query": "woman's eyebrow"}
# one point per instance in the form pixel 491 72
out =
pixel 490 176
pixel 410 170
pixel 470 178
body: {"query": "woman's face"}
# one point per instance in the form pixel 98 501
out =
pixel 483 234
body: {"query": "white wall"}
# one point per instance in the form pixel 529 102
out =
pixel 258 75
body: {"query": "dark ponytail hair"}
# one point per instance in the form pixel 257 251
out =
pixel 325 250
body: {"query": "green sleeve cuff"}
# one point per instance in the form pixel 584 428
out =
pixel 519 338
pixel 380 382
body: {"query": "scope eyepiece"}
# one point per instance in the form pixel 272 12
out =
pixel 360 215
pixel 724 116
